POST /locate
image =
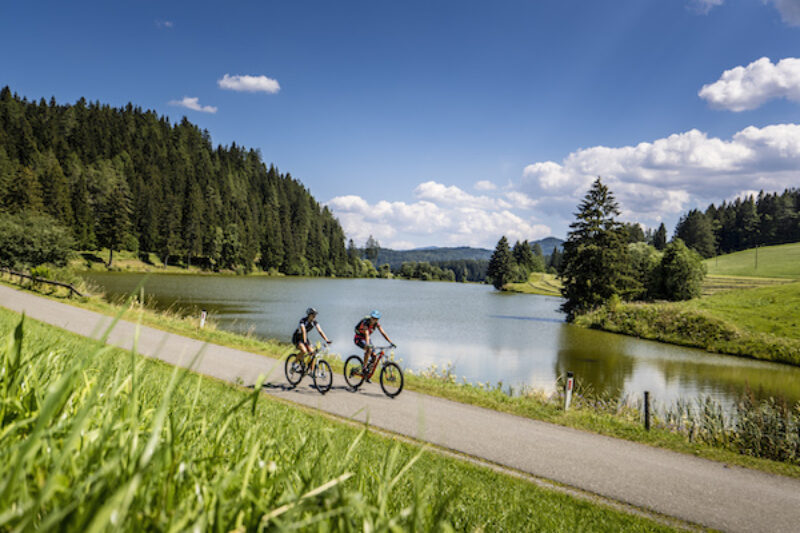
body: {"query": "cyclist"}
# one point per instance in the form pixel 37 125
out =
pixel 364 329
pixel 304 327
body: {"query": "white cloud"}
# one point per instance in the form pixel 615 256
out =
pixel 442 215
pixel 164 24
pixel 485 185
pixel 193 104
pixel 789 9
pixel 704 6
pixel 452 195
pixel 250 84
pixel 659 180
pixel 745 88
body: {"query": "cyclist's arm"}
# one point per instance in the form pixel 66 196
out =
pixel 385 336
pixel 322 333
pixel 305 337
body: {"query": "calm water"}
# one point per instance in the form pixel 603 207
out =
pixel 488 336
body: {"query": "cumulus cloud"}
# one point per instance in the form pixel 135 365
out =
pixel 656 181
pixel 745 88
pixel 193 104
pixel 485 185
pixel 250 84
pixel 441 215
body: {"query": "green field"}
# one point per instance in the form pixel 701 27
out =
pixel 781 261
pixel 96 439
pixel 538 283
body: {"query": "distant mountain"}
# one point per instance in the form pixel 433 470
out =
pixel 434 254
pixel 430 254
pixel 549 244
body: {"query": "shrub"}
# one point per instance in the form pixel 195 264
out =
pixel 30 239
pixel 681 272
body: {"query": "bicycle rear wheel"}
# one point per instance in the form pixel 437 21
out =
pixel 294 370
pixel 322 376
pixel 391 379
pixel 353 374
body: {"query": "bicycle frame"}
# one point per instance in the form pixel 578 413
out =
pixel 378 355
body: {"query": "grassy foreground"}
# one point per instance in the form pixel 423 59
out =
pixel 96 438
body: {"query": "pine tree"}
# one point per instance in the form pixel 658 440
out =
pixel 595 264
pixel 694 229
pixel 660 237
pixel 500 267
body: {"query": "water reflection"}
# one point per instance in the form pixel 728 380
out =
pixel 598 360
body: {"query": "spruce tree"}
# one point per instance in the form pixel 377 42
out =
pixel 660 237
pixel 501 265
pixel 694 229
pixel 595 264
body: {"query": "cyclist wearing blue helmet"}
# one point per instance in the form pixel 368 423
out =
pixel 364 329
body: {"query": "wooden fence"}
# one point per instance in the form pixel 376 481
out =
pixel 34 279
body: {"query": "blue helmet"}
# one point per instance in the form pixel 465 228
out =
pixel 375 314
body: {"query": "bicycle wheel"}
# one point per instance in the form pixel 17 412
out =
pixel 322 376
pixel 294 370
pixel 391 379
pixel 352 372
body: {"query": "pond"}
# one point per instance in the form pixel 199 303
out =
pixel 488 336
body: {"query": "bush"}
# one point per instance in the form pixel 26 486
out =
pixel 681 272
pixel 30 239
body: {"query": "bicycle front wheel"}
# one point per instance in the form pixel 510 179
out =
pixel 322 376
pixel 353 372
pixel 391 379
pixel 294 369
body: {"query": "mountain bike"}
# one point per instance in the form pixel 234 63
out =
pixel 390 377
pixel 297 366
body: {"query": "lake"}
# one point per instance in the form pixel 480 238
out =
pixel 488 336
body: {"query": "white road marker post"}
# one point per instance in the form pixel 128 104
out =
pixel 568 390
pixel 203 315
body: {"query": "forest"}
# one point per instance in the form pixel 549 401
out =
pixel 762 220
pixel 125 178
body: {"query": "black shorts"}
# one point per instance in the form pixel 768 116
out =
pixel 361 342
pixel 297 338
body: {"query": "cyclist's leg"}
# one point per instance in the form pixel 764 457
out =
pixel 303 348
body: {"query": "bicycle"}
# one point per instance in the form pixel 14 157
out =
pixel 390 377
pixel 297 366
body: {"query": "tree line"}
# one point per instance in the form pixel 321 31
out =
pixel 124 178
pixel 762 220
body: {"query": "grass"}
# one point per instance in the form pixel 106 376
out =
pixel 782 261
pixel 530 404
pixel 95 438
pixel 538 283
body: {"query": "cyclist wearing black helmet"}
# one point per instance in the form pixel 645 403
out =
pixel 300 336
pixel 364 329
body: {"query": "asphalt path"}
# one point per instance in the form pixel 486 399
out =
pixel 694 490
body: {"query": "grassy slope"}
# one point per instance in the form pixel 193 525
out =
pixel 538 283
pixel 228 476
pixel 781 261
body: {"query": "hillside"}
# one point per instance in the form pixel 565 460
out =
pixel 782 261
pixel 125 178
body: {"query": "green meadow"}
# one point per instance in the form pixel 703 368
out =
pixel 782 261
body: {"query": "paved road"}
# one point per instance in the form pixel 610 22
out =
pixel 694 490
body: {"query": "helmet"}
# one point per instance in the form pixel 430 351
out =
pixel 311 311
pixel 375 314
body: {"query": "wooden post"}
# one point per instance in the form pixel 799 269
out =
pixel 647 410
pixel 568 386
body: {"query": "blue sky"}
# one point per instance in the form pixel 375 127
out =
pixel 450 123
